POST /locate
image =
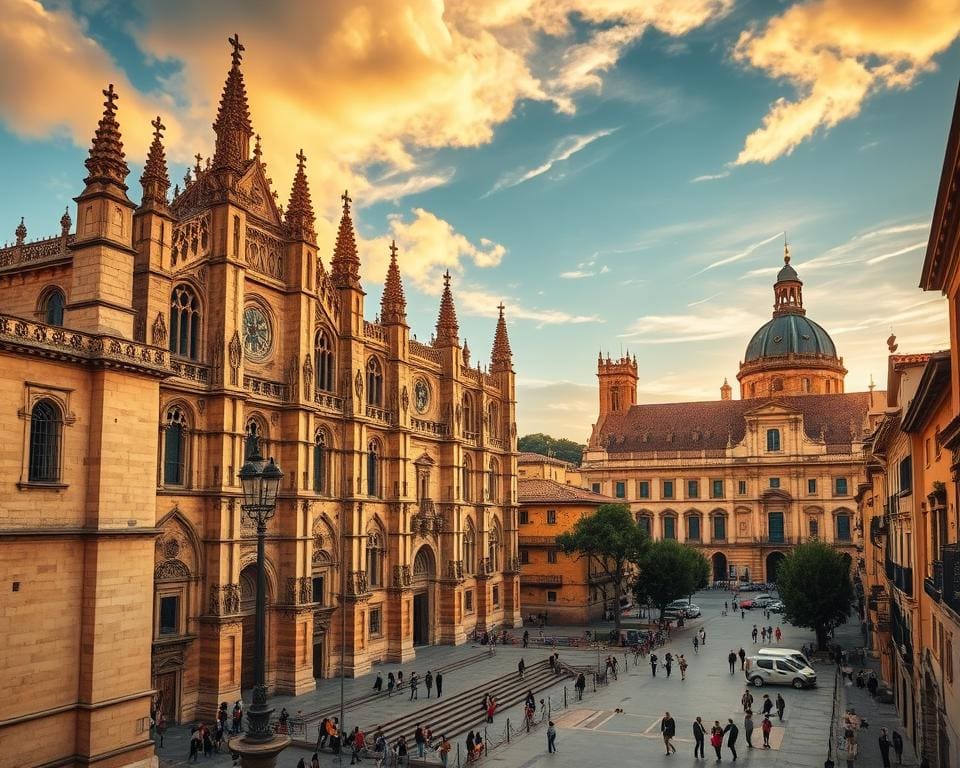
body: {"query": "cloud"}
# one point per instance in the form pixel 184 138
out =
pixel 836 54
pixel 566 148
pixel 710 177
pixel 742 254
pixel 898 252
pixel 722 323
pixel 413 184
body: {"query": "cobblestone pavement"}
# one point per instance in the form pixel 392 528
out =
pixel 594 730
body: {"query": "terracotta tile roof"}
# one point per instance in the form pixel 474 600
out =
pixel 534 490
pixel 898 361
pixel 709 425
pixel 527 457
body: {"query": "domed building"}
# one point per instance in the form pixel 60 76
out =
pixel 790 354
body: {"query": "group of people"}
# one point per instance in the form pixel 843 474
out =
pixel 395 683
pixel 668 661
pixel 767 634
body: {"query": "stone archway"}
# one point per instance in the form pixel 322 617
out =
pixel 774 561
pixel 719 561
pixel 424 573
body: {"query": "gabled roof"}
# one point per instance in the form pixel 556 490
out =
pixel 528 457
pixel 934 385
pixel 942 249
pixel 536 490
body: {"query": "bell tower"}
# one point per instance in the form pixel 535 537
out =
pixel 618 384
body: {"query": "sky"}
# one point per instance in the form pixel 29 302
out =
pixel 620 173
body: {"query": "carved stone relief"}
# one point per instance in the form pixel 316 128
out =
pixel 307 378
pixel 158 332
pixel 236 351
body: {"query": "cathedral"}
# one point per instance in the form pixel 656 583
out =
pixel 743 480
pixel 141 350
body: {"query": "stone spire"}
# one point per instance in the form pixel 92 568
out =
pixel 393 304
pixel 65 223
pixel 345 264
pixel 232 126
pixel 447 326
pixel 726 391
pixel 106 163
pixel 155 179
pixel 300 219
pixel 21 232
pixel 501 359
pixel 788 290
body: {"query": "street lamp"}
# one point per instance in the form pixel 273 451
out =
pixel 260 481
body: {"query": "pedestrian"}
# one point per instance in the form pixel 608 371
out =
pixel 696 644
pixel 520 667
pixel 743 615
pixel 414 682
pixel 378 683
pixel 580 685
pixel 683 667
pixel 653 664
pixel 724 607
pixel 767 707
pixel 491 709
pixel 322 735
pixel 443 750
pixel 748 728
pixel 526 637
pixel 162 728
pixel 743 657
pixel 747 700
pixel 766 726
pixel 716 738
pixel 400 682
pixel 428 682
pixel 668 728
pixel 237 717
pixel 873 684
pixel 315 761
pixel 196 744
pixel 703 636
pixel 668 662
pixel 391 682
pixel 732 661
pixel 419 739
pixel 551 738
pixel 781 705
pixel 778 634
pixel 753 634
pixel 698 735
pixel 439 681
pixel 897 744
pixel 732 732
pixel 763 634
pixel 884 743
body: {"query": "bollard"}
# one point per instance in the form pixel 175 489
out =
pixel 594 682
pixel 549 705
pixel 458 754
pixel 508 730
pixel 626 662
pixel 564 697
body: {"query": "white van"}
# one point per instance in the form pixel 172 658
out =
pixel 768 670
pixel 786 653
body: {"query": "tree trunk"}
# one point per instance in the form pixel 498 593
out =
pixel 616 605
pixel 822 636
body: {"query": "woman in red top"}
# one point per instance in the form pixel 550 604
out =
pixel 766 726
pixel 491 708
pixel 716 737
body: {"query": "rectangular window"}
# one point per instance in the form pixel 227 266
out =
pixel 620 489
pixel 375 626
pixel 551 596
pixel 318 590
pixel 811 486
pixel 742 487
pixel 693 528
pixel 643 489
pixel 670 527
pixel 496 597
pixel 551 556
pixel 551 517
pixel 468 601
pixel 170 615
pixel 643 522
pixel 814 529
pixel 524 518
pixel 926 452
pixel 840 486
pixel 773 440
pixel 719 528
pixel 693 489
pixel 524 556
pixel 843 527
pixel 596 487
pixel 906 475
pixel 716 489
pixel 667 489
pixel 774 482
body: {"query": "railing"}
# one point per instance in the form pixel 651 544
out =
pixel 437 428
pixel 328 400
pixel 191 371
pixel 933 584
pixel 900 576
pixel 380 414
pixel 373 331
pixel 779 540
pixel 471 437
pixel 878 528
pixel 892 507
pixel 541 580
pixel 498 442
pixel 265 388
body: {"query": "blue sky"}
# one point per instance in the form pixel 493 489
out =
pixel 619 174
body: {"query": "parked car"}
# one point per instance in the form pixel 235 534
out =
pixel 683 607
pixel 787 653
pixel 775 607
pixel 746 604
pixel 763 600
pixel 769 670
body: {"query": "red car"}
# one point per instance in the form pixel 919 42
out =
pixel 746 604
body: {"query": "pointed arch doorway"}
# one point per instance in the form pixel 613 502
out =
pixel 424 574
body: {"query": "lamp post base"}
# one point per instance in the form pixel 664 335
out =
pixel 259 754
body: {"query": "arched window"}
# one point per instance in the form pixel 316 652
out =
pixel 645 523
pixel 467 479
pixel 773 440
pixel 46 432
pixel 493 548
pixel 718 524
pixel 374 559
pixel 373 468
pixel 321 460
pixel 693 527
pixel 493 481
pixel 468 414
pixel 776 385
pixel 374 383
pixel 323 351
pixel 469 555
pixel 493 419
pixel 175 448
pixel 255 429
pixel 423 567
pixel 52 305
pixel 184 322
pixel 669 522
pixel 843 527
pixel 753 390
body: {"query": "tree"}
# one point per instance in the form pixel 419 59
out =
pixel 668 571
pixel 612 542
pixel 814 584
pixel 559 448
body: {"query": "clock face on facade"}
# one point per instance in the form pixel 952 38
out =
pixel 257 336
pixel 421 395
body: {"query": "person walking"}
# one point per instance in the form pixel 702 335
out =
pixel 491 709
pixel 699 732
pixel 703 636
pixel 743 657
pixel 897 746
pixel 778 634
pixel 872 684
pixel 884 743
pixel 743 615
pixel 753 634
pixel 378 683
pixel 668 662
pixel 781 705
pixel 683 667
pixel 766 726
pixel 767 707
pixel 414 682
pixel 653 664
pixel 748 728
pixel 747 700
pixel 419 739
pixel 428 682
pixel 668 727
pixel 580 685
pixel 520 667
pixel 237 717
pixel 439 681
pixel 716 738
pixel 391 682
pixel 399 680
pixel 732 732
pixel 526 637
pixel 551 738
pixel 696 644
pixel 444 750
pixel 732 661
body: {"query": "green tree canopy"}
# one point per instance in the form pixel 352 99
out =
pixel 612 542
pixel 669 571
pixel 814 584
pixel 559 448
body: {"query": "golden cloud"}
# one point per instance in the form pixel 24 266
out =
pixel 836 53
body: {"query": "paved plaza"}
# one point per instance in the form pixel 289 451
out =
pixel 592 731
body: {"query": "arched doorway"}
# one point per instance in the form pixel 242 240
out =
pixel 248 611
pixel 719 567
pixel 774 560
pixel 424 572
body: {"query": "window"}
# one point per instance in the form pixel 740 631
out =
pixel 667 489
pixel 46 432
pixel 814 528
pixel 643 489
pixel 927 452
pixel 469 549
pixel 840 486
pixel 374 558
pixel 644 523
pixel 906 475
pixel 811 486
pixel 719 527
pixel 775 528
pixel 496 597
pixel 493 419
pixel 596 487
pixel 52 307
pixel 693 489
pixel 466 479
pixel 552 556
pixel 716 489
pixel 843 527
pixel 468 419
pixel 620 489
pixel 773 440
pixel 184 322
pixel 765 663
pixel 493 481
pixel 805 385
pixel 373 468
pixel 253 429
pixel 742 487
pixel 551 517
pixel 524 517
pixel 320 459
pixel 774 482
pixel 374 383
pixel 525 557
pixel 174 448
pixel 693 528
pixel 318 593
pixel 669 527
pixel 493 549
pixel 551 596
pixel 323 349
pixel 376 628
pixel 468 601
pixel 170 615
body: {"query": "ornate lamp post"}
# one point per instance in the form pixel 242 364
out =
pixel 260 481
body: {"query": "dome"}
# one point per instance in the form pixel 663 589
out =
pixel 789 334
pixel 787 273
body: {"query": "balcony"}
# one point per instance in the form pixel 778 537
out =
pixel 950 556
pixel 541 580
pixel 933 584
pixel 777 541
pixel 878 527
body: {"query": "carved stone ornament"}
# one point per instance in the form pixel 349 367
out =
pixel 404 399
pixel 236 351
pixel 459 413
pixel 171 569
pixel 407 580
pixel 158 332
pixel 293 372
pixel 358 383
pixel 216 374
pixel 307 378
